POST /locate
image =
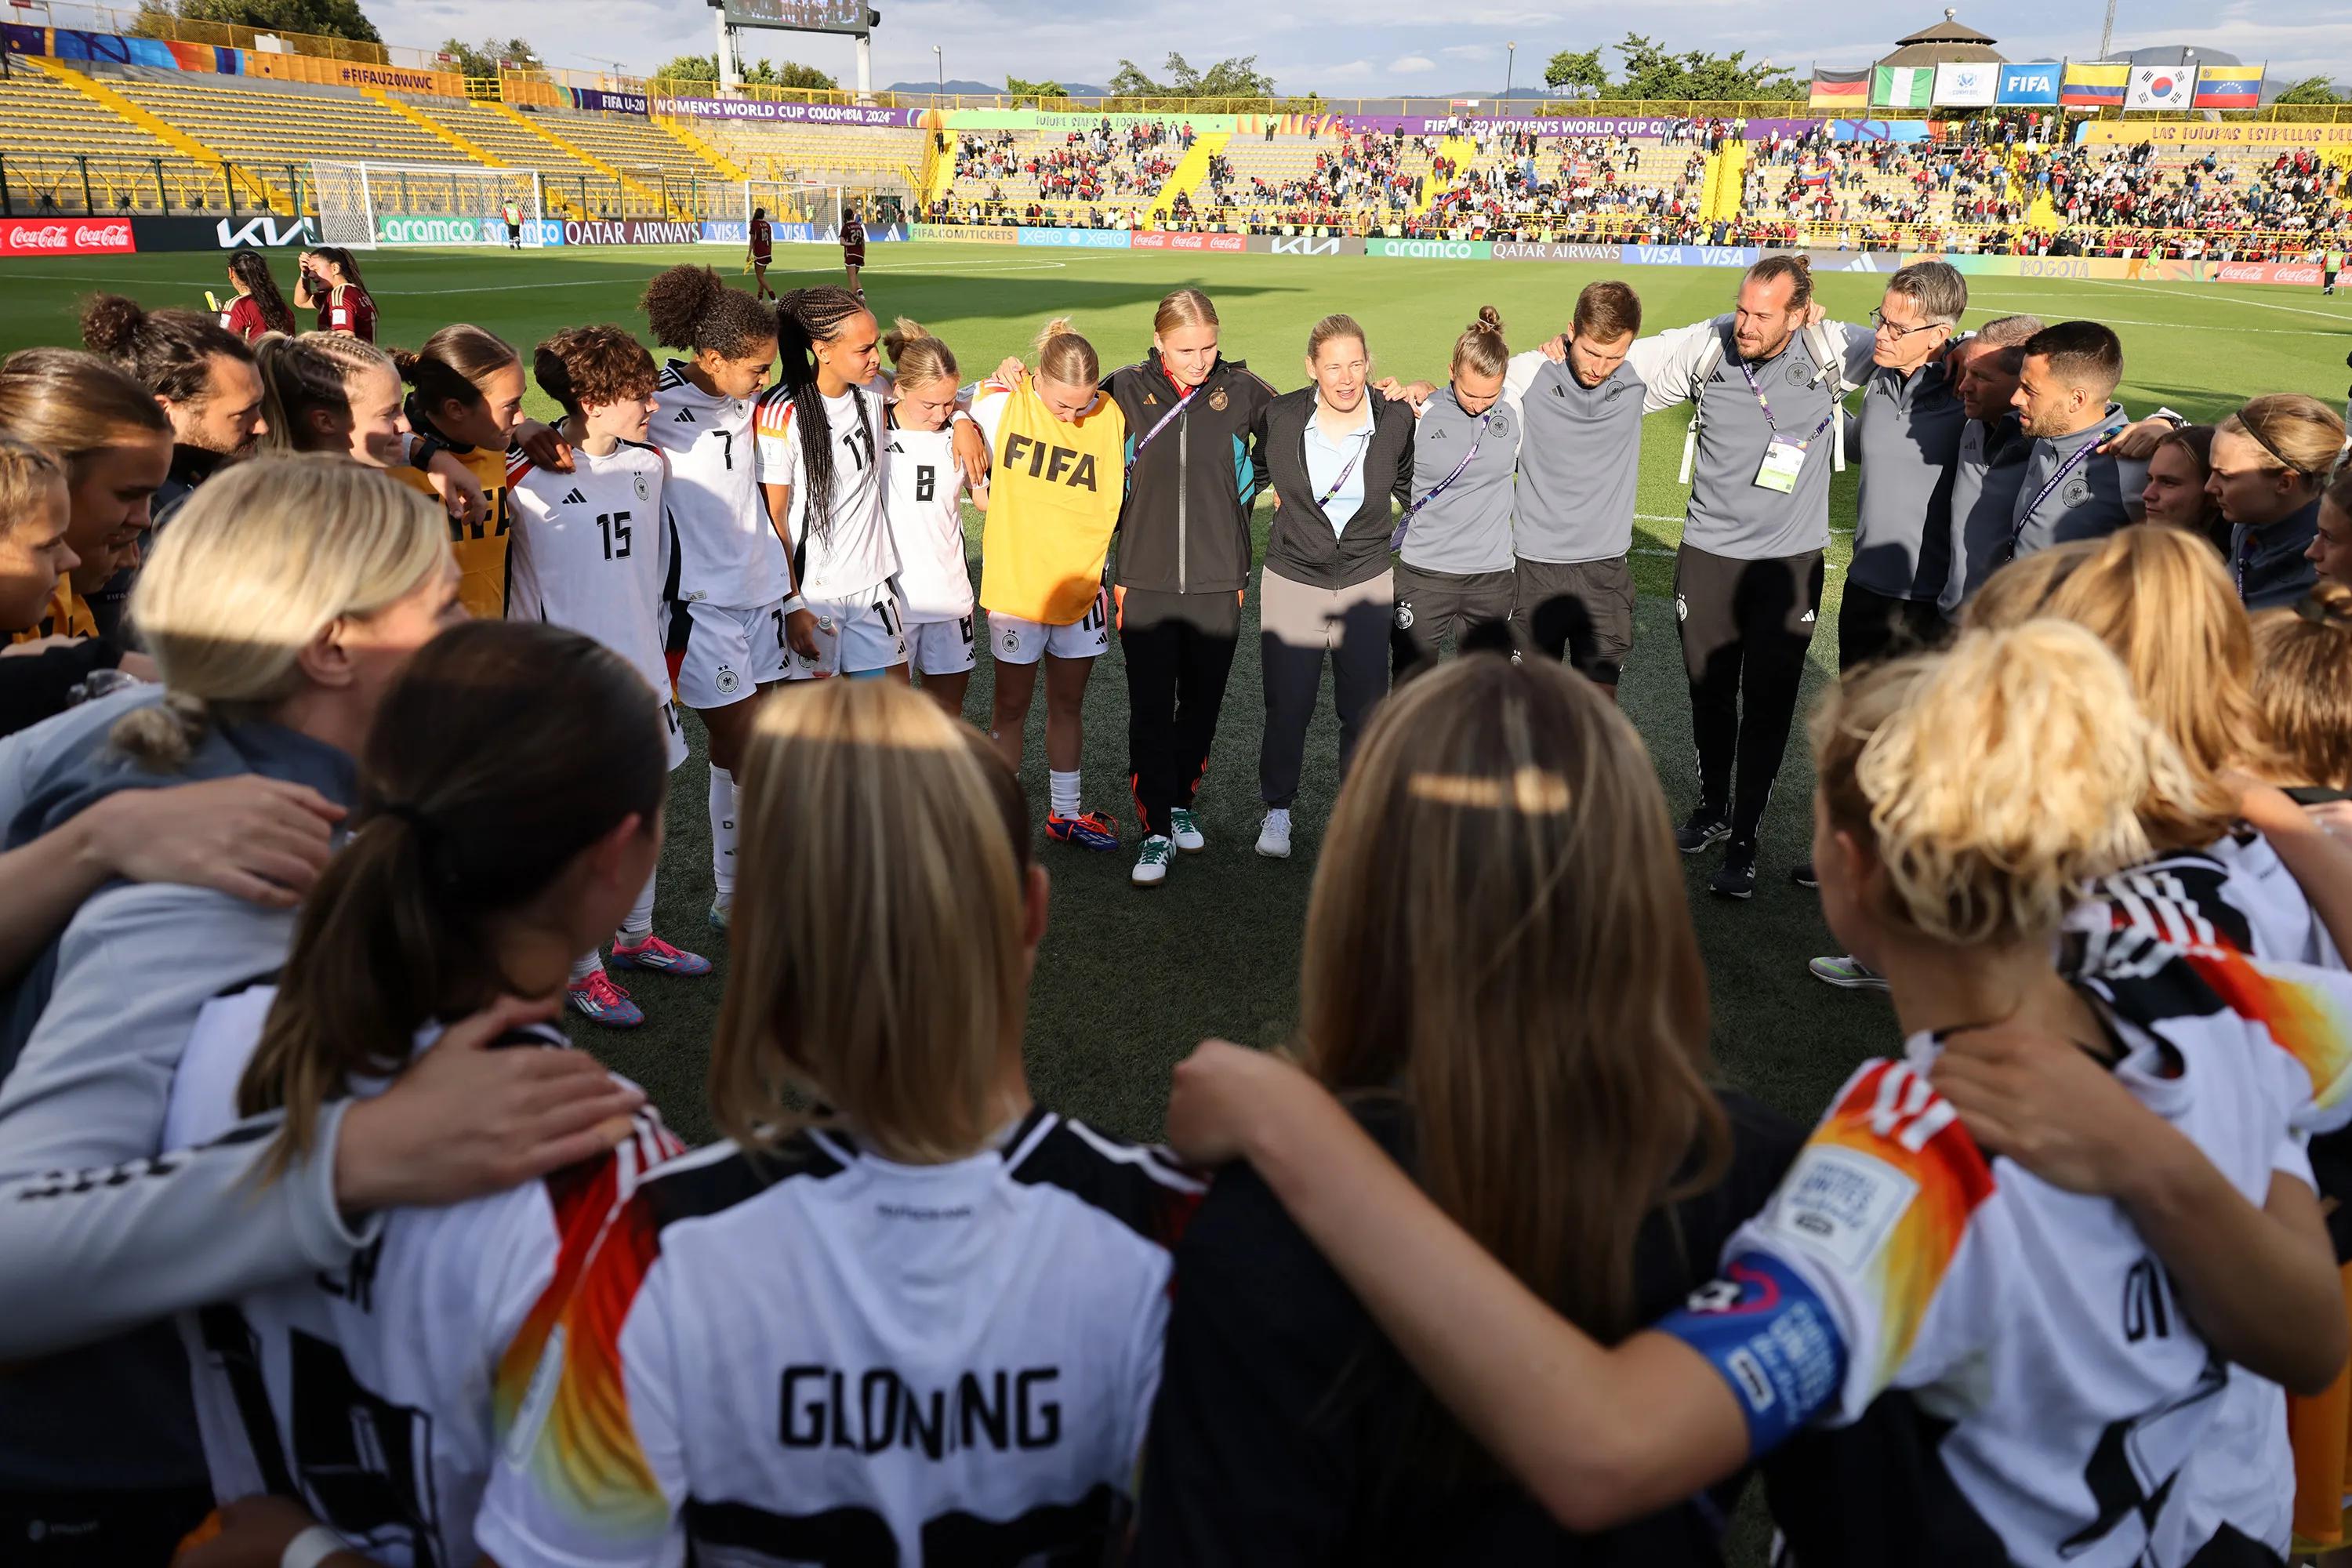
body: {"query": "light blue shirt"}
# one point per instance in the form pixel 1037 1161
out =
pixel 1326 458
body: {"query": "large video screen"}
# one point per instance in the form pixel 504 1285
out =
pixel 800 16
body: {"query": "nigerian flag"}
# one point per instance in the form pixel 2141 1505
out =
pixel 1902 87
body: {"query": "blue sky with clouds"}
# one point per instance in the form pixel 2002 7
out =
pixel 1344 47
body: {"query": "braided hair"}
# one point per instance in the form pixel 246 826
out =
pixel 805 318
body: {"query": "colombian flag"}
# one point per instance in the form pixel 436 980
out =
pixel 2094 86
pixel 2229 86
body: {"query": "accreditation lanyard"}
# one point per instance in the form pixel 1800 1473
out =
pixel 1151 434
pixel 1348 467
pixel 1396 539
pixel 2079 457
pixel 1765 403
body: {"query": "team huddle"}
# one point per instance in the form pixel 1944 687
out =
pixel 340 732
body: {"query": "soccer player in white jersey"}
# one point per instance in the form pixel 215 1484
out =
pixel 590 550
pixel 926 1321
pixel 925 510
pixel 511 809
pixel 727 574
pixel 821 458
pixel 2063 1336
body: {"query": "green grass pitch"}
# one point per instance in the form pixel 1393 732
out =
pixel 1128 982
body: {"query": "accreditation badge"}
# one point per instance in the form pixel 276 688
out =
pixel 1783 460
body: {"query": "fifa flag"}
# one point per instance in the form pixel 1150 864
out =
pixel 1840 89
pixel 1965 84
pixel 2159 86
pixel 2229 86
pixel 1902 87
pixel 2094 86
pixel 2029 85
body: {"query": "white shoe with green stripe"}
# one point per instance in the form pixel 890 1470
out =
pixel 1847 973
pixel 1151 865
pixel 1188 835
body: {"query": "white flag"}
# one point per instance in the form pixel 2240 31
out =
pixel 1969 84
pixel 2160 87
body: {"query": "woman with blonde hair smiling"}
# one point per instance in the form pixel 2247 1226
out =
pixel 959 1295
pixel 2270 463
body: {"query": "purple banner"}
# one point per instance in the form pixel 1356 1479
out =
pixel 792 113
pixel 630 231
pixel 1547 124
pixel 609 103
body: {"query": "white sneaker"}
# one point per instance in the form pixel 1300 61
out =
pixel 1188 835
pixel 1151 865
pixel 1274 838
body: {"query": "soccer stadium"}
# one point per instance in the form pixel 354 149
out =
pixel 1695 915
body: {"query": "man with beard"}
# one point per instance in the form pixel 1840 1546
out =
pixel 1990 469
pixel 203 376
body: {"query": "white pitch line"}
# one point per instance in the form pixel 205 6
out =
pixel 2258 304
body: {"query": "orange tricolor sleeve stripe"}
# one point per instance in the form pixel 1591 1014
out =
pixel 2304 1017
pixel 588 1460
pixel 1892 1115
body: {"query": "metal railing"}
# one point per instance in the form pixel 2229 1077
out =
pixel 37 184
pixel 157 22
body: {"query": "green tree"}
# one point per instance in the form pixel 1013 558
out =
pixel 1655 72
pixel 1580 71
pixel 324 19
pixel 1236 78
pixel 767 73
pixel 2312 90
pixel 1032 94
pixel 486 59
pixel 791 73
pixel 689 67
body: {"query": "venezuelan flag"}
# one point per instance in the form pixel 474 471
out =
pixel 2094 86
pixel 2229 86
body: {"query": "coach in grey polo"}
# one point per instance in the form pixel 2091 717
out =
pixel 2071 489
pixel 1907 436
pixel 1453 567
pixel 1748 578
pixel 1580 464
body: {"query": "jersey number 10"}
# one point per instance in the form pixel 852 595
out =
pixel 615 526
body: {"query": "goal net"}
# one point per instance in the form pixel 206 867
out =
pixel 363 206
pixel 797 211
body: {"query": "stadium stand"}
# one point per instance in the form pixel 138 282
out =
pixel 114 167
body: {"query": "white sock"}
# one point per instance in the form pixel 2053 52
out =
pixel 581 968
pixel 639 924
pixel 1063 788
pixel 722 835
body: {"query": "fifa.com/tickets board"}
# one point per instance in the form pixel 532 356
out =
pixel 799 15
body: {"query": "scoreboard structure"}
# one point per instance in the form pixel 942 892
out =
pixel 854 18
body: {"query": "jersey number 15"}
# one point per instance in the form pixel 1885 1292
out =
pixel 615 526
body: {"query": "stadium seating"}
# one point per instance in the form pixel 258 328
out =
pixel 274 130
pixel 649 154
pixel 570 186
pixel 49 135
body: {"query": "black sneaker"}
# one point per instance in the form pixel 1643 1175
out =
pixel 1700 830
pixel 1737 877
pixel 1802 875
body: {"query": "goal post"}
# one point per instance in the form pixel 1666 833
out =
pixel 790 202
pixel 363 206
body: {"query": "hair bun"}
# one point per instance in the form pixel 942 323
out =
pixel 407 363
pixel 1489 319
pixel 110 323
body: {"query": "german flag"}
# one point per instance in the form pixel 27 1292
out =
pixel 1840 89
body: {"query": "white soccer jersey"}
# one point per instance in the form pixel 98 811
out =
pixel 2070 1396
pixel 375 1396
pixel 821 1356
pixel 727 551
pixel 591 552
pixel 925 509
pixel 850 557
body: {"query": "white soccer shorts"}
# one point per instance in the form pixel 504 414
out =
pixel 1016 641
pixel 854 636
pixel 942 647
pixel 729 653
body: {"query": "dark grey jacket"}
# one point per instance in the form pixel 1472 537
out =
pixel 1302 544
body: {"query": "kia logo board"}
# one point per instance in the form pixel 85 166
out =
pixel 1304 245
pixel 66 237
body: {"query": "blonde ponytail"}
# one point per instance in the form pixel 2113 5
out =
pixel 1065 357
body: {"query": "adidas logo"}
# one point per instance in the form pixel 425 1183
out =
pixel 574 497
pixel 1438 434
pixel 685 416
pixel 1806 619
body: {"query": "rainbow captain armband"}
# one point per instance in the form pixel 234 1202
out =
pixel 1773 1340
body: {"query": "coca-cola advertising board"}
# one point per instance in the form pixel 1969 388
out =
pixel 66 237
